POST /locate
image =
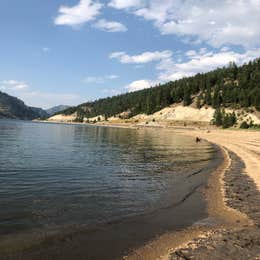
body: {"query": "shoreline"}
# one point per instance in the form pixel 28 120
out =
pixel 232 214
pixel 226 213
pixel 220 217
pixel 240 241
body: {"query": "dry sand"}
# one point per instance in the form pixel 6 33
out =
pixel 62 118
pixel 246 144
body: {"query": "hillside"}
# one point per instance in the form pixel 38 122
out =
pixel 14 108
pixel 229 87
pixel 56 109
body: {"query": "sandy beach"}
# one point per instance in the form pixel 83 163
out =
pixel 246 144
pixel 240 191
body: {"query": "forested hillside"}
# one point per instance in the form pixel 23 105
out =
pixel 14 108
pixel 232 86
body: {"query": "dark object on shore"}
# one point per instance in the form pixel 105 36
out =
pixel 198 139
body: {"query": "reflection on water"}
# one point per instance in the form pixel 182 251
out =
pixel 59 175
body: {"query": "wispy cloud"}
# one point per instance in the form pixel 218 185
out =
pixel 112 76
pixel 141 58
pixel 13 85
pixel 110 26
pixel 99 79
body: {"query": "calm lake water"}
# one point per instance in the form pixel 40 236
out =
pixel 54 176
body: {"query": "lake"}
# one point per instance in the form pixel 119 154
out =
pixel 56 177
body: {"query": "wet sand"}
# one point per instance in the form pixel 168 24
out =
pixel 241 241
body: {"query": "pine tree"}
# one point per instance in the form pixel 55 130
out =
pixel 198 102
pixel 217 117
pixel 187 97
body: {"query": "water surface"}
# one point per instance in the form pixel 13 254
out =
pixel 54 176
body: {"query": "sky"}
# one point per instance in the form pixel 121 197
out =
pixel 68 52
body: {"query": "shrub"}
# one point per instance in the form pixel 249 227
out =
pixel 244 125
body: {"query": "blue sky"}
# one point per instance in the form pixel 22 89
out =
pixel 71 51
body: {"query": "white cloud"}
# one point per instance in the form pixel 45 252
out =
pixel 191 53
pixel 214 22
pixel 122 4
pixel 157 10
pixel 203 63
pixel 11 82
pixel 92 79
pixel 110 26
pixel 20 86
pixel 141 84
pixel 141 58
pixel 13 85
pixel 84 11
pixel 99 79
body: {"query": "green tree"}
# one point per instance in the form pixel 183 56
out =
pixel 187 97
pixel 217 118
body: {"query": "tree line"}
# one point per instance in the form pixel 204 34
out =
pixel 228 87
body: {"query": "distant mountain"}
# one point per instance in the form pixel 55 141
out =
pixel 40 112
pixel 14 108
pixel 54 110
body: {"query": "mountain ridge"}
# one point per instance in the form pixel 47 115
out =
pixel 14 108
